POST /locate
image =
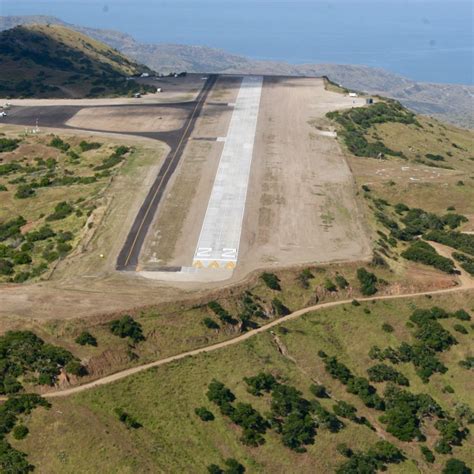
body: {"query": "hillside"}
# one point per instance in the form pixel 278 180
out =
pixel 54 61
pixel 329 368
pixel 448 102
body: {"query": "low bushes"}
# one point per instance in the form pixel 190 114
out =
pixel 127 327
pixel 8 144
pixel 357 121
pixel 271 280
pixel 456 240
pixel 422 252
pixel 86 339
pixel 86 146
pixel 367 281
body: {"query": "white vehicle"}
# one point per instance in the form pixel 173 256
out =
pixel 3 114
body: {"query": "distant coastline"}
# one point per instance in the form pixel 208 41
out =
pixel 453 103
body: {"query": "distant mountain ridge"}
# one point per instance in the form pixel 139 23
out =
pixel 449 102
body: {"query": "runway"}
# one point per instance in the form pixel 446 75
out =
pixel 128 256
pixel 218 244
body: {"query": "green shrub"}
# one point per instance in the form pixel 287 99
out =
pixel 400 208
pixel 8 144
pixel 204 414
pixel 20 432
pixel 127 327
pixel 24 191
pixel 387 327
pixel 263 382
pixel 42 233
pixel 58 143
pixel 462 315
pixel 367 281
pixel 210 323
pixel 61 211
pixel 86 338
pixel 6 267
pixel 329 285
pixel 86 146
pixel 427 454
pixel 222 313
pixel 467 263
pixel 341 282
pixel 129 421
pixel 422 252
pixel 432 157
pixel 453 220
pixel 385 373
pixel 304 277
pixel 456 466
pixel 456 240
pixel 219 394
pixel 271 280
pixel 22 258
pixel 279 308
pixel 460 328
pixel 319 391
pixel 345 410
pixel 357 121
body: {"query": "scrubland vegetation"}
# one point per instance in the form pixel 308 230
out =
pixel 369 407
pixel 48 199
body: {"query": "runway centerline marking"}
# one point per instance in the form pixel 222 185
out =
pixel 219 239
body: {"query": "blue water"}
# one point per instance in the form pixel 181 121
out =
pixel 425 40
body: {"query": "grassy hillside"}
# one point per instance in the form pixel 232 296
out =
pixel 421 162
pixel 416 175
pixel 52 191
pixel 54 61
pixel 169 437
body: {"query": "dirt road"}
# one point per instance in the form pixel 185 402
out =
pixel 465 286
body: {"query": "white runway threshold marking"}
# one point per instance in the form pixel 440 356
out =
pixel 218 244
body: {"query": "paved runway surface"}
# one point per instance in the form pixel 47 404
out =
pixel 218 244
pixel 128 257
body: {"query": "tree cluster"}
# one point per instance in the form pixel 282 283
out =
pixel 356 385
pixel 386 373
pixel 12 460
pixel 372 461
pixel 456 240
pixel 24 353
pixel 423 252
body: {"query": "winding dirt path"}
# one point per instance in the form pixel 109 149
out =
pixel 464 286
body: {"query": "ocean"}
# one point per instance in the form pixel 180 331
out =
pixel 425 40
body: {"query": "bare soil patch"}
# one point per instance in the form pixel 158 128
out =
pixel 301 204
pixel 131 119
